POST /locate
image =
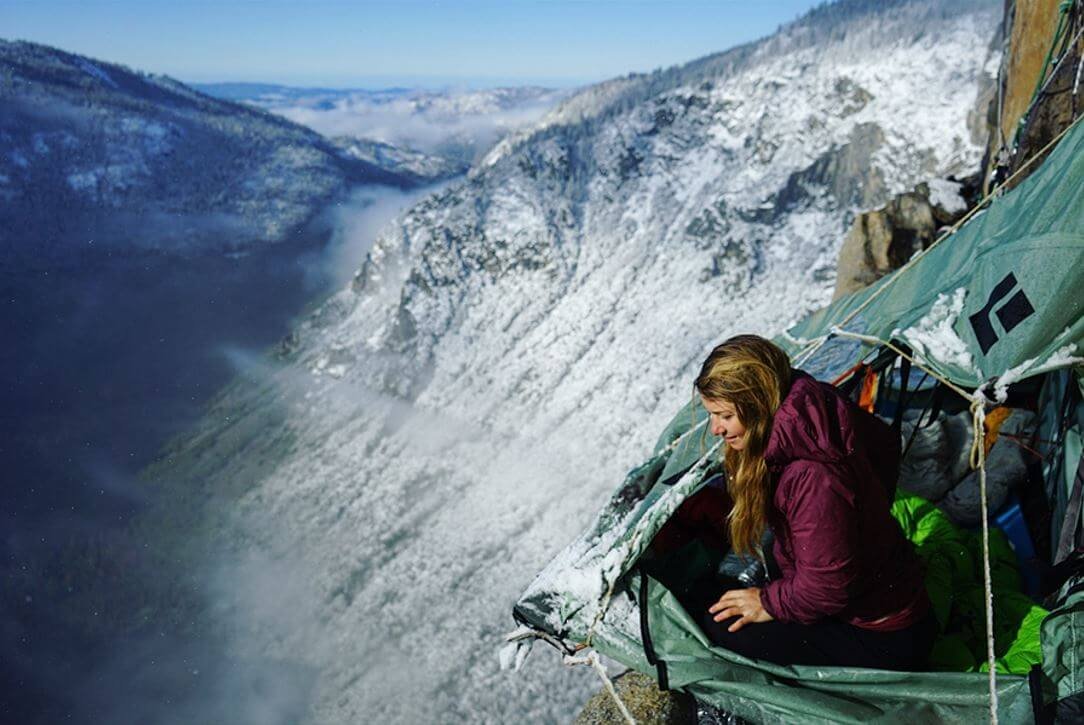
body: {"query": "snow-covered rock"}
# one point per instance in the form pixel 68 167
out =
pixel 884 239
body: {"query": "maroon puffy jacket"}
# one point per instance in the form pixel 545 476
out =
pixel 841 553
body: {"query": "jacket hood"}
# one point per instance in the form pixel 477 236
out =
pixel 813 423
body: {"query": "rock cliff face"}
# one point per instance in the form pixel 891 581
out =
pixel 884 239
pixel 1039 92
pixel 1033 98
pixel 645 702
pixel 437 430
pixel 144 161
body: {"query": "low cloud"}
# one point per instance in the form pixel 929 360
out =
pixel 432 126
pixel 368 617
pixel 355 224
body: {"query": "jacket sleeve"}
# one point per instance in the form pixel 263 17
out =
pixel 822 534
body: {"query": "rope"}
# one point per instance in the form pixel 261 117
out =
pixel 871 340
pixel 1000 82
pixel 978 461
pixel 996 159
pixel 532 633
pixel 570 659
pixel 593 660
pixel 1076 81
pixel 1061 59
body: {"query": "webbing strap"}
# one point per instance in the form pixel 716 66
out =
pixel 848 382
pixel 1071 522
pixel 1040 710
pixel 937 403
pixel 905 375
pixel 645 635
pixel 933 409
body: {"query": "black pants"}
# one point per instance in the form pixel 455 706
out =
pixel 827 642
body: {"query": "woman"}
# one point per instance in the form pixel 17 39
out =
pixel 821 473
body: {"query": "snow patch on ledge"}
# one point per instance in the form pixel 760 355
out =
pixel 946 195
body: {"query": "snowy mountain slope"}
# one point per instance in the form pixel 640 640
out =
pixel 514 343
pixel 402 160
pixel 147 160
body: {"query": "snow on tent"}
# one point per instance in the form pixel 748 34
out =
pixel 990 318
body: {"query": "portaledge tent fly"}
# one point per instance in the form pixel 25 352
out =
pixel 995 303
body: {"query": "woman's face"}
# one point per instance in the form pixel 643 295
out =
pixel 724 422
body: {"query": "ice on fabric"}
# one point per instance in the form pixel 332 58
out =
pixel 570 594
pixel 934 337
pixel 1060 358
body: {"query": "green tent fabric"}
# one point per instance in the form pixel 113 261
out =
pixel 1063 645
pixel 995 303
pixel 1059 470
pixel 998 299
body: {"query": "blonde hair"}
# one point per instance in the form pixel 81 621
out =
pixel 753 375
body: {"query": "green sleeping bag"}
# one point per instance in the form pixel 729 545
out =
pixel 953 558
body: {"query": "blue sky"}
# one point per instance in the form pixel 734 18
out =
pixel 409 42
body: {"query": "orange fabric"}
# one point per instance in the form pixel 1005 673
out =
pixel 868 396
pixel 992 426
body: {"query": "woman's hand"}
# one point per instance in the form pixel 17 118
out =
pixel 743 604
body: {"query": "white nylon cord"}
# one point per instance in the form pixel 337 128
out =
pixel 593 660
pixel 978 461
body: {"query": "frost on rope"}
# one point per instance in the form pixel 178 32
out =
pixel 514 654
pixel 933 337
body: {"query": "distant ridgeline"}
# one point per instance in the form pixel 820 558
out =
pixel 95 150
